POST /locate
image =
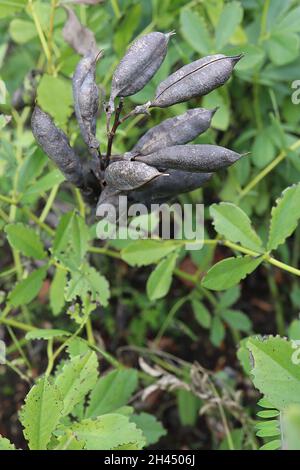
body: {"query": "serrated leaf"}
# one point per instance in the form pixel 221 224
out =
pixel 27 289
pixel 195 32
pixel 159 281
pixel 201 314
pixel 152 429
pixel 284 217
pixel 229 272
pixel 231 222
pixel 230 19
pixel 273 369
pixel 76 379
pixel 57 289
pixel 26 240
pixel 46 334
pixel 108 432
pixel 111 392
pixel 145 252
pixel 41 413
pixel 88 281
pixel 5 444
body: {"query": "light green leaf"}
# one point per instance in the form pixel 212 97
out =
pixel 108 432
pixel 145 252
pixel 195 32
pixel 46 334
pixel 229 272
pixel 285 216
pixel 160 279
pixel 22 31
pixel 80 236
pixel 188 407
pixel 111 392
pixel 27 289
pixel 10 7
pixel 268 413
pixel 217 331
pixel 230 19
pixel 85 281
pixel 221 119
pixel 237 319
pixel 43 185
pixel 229 298
pixel 283 47
pixel 273 369
pixel 40 414
pixel 62 234
pixel 5 444
pixel 152 429
pixel 76 379
pixel 263 150
pixel 57 289
pixel 54 95
pixel 290 425
pixel 25 239
pixel 201 314
pixel 290 22
pixel 231 222
pixel 272 445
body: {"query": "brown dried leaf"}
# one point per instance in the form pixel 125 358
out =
pixel 80 38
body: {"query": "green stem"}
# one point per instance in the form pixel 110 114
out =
pixel 116 8
pixel 49 203
pixel 39 31
pixel 16 324
pixel 170 317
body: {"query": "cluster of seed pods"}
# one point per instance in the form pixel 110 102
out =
pixel 162 164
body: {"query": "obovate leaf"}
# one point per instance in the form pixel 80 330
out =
pixel 229 272
pixel 145 252
pixel 160 279
pixel 41 413
pixel 285 216
pixel 232 222
pixel 27 289
pixel 152 429
pixel 77 378
pixel 111 392
pixel 195 32
pixel 26 240
pixel 230 19
pixel 108 432
pixel 275 373
pixel 57 290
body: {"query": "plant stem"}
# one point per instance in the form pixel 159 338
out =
pixel 116 8
pixel 169 318
pixel 16 324
pixel 49 203
pixel 40 31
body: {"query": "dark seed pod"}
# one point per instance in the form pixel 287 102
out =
pixel 56 145
pixel 195 158
pixel 86 98
pixel 140 63
pixel 178 182
pixel 195 79
pixel 175 131
pixel 127 175
pixel 80 38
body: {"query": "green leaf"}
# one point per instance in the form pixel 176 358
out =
pixel 43 185
pixel 151 427
pixel 237 320
pixel 88 281
pixel 201 314
pixel 273 369
pixel 111 392
pixel 40 414
pixel 290 22
pixel 230 19
pixel 57 289
pixel 10 7
pixel 263 150
pixel 272 445
pixel 284 217
pixel 283 47
pixel 231 222
pixel 22 31
pixel 195 32
pixel 108 432
pixel 46 334
pixel 229 298
pixel 188 407
pixel 5 444
pixel 26 240
pixel 221 119
pixel 268 413
pixel 159 282
pixel 27 289
pixel 290 425
pixel 229 272
pixel 80 236
pixel 145 252
pixel 217 331
pixel 62 234
pixel 76 379
pixel 54 96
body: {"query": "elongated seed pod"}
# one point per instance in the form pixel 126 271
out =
pixel 86 98
pixel 195 79
pixel 163 189
pixel 127 175
pixel 175 131
pixel 194 158
pixel 56 145
pixel 140 63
